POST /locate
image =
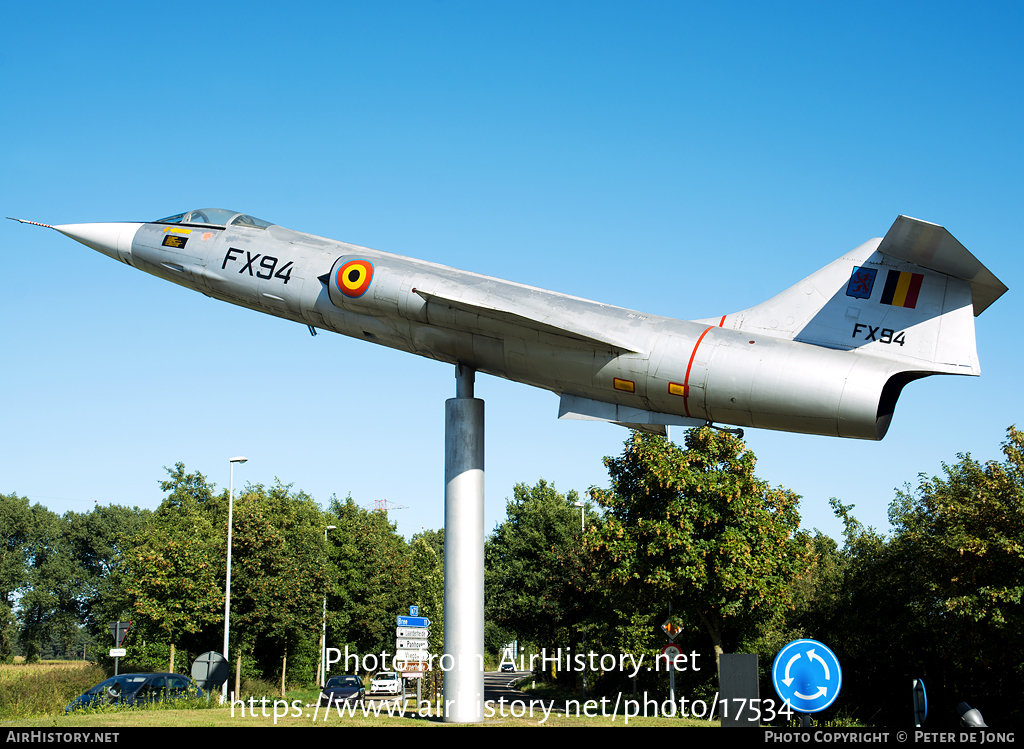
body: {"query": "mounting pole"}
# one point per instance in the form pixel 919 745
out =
pixel 463 552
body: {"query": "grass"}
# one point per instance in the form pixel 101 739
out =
pixel 221 717
pixel 548 690
pixel 44 688
pixel 34 695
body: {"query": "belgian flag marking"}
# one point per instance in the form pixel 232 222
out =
pixel 901 289
pixel 353 278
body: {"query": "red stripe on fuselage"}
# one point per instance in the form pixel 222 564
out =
pixel 686 382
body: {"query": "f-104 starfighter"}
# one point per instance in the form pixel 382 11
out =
pixel 828 356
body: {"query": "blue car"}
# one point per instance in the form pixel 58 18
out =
pixel 136 689
pixel 341 689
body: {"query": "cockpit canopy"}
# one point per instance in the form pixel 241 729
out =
pixel 215 217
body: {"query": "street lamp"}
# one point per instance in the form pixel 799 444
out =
pixel 323 634
pixel 227 585
pixel 582 530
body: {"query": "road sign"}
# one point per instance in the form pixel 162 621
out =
pixel 671 651
pixel 413 621
pixel 414 611
pixel 210 670
pixel 412 644
pixel 412 633
pixel 806 674
pixel 411 656
pixel 119 630
pixel 118 652
pixel 670 629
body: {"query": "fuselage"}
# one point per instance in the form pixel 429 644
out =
pixel 685 372
pixel 606 362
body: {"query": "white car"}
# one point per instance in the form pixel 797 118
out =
pixel 386 682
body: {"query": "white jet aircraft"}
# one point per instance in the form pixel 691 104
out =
pixel 827 356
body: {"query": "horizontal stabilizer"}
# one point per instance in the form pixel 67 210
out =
pixel 931 246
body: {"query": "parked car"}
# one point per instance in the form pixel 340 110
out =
pixel 136 689
pixel 386 682
pixel 341 689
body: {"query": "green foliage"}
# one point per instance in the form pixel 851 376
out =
pixel 962 536
pixel 938 601
pixel 433 539
pixel 173 568
pixel 8 633
pixel 62 570
pixel 372 566
pixel 426 590
pixel 698 526
pixel 96 540
pixel 51 604
pixel 165 572
pixel 15 532
pixel 278 561
pixel 532 564
pixel 941 599
pixel 969 525
pixel 426 587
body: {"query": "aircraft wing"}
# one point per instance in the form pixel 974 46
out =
pixel 521 318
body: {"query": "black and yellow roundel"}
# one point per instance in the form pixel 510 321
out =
pixel 353 278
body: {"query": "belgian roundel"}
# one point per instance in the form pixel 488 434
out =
pixel 353 278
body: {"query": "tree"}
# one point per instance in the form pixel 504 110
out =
pixel 961 536
pixel 278 579
pixel 697 527
pixel 434 539
pixel 856 599
pixel 371 563
pixel 940 600
pixel 15 532
pixel 50 606
pixel 97 541
pixel 970 525
pixel 426 590
pixel 528 586
pixel 173 571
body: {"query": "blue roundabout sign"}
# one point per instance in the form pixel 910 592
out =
pixel 806 675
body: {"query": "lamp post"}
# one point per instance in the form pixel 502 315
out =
pixel 582 530
pixel 227 585
pixel 323 633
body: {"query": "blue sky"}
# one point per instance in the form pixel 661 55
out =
pixel 682 159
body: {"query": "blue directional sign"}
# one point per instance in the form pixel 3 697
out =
pixel 806 674
pixel 413 621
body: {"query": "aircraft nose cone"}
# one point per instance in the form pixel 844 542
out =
pixel 112 239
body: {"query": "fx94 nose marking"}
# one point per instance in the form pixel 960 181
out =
pixel 268 264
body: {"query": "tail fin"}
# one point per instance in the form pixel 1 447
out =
pixel 910 297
